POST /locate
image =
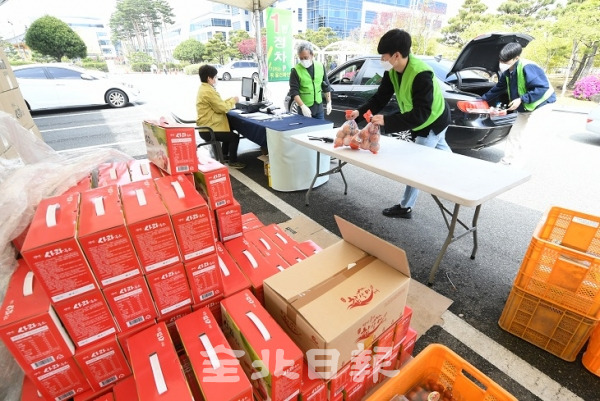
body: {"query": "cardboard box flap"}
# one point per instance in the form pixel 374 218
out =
pixel 309 273
pixel 373 245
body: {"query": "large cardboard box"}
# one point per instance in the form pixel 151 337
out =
pixel 302 229
pixel 215 365
pixel 123 337
pixel 171 147
pixel 52 251
pixel 170 289
pixel 103 363
pixel 104 238
pixel 213 182
pixel 60 380
pixel 149 225
pixel 30 328
pixel 341 298
pixel 156 368
pixel 86 317
pixel 130 302
pixel 271 359
pixel 190 216
pixel 7 77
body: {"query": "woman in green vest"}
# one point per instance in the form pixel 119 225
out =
pixel 308 82
pixel 528 90
pixel 422 107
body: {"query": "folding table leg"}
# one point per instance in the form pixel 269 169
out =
pixel 337 169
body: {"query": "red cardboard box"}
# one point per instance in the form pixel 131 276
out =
pixel 86 317
pixel 190 216
pixel 116 173
pixel 355 392
pixel 229 221
pixel 383 347
pixel 249 327
pixel 171 147
pixel 52 251
pixel 213 305
pixel 188 372
pixel 213 182
pixel 140 170
pixel 408 345
pixel 125 390
pixel 130 302
pixel 261 241
pixel 215 365
pixel 402 325
pixel 102 363
pixel 29 392
pixel 204 276
pixel 233 278
pixel 104 238
pixel 82 185
pixel 291 255
pixel 170 290
pixel 250 221
pixel 60 380
pixel 170 320
pixel 309 247
pixel 124 337
pixel 155 365
pixel 149 225
pixel 278 236
pixel 340 381
pixel 30 328
pixel 251 263
pixel 314 388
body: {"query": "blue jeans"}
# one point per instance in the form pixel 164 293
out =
pixel 432 141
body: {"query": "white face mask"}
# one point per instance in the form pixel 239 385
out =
pixel 503 67
pixel 306 63
pixel 386 65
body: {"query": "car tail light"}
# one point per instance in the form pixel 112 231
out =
pixel 477 106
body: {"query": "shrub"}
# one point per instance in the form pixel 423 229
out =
pixel 587 87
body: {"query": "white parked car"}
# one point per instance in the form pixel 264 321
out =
pixel 56 85
pixel 238 70
pixel 593 120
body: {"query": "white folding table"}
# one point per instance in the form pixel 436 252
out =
pixel 463 180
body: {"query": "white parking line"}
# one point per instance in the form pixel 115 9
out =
pixel 119 122
pixel 538 383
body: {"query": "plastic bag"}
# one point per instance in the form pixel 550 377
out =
pixel 368 137
pixel 346 132
pixel 37 173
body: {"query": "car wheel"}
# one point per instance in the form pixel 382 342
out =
pixel 255 76
pixel 116 98
pixel 226 76
pixel 293 107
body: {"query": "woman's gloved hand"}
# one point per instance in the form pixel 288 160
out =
pixel 305 111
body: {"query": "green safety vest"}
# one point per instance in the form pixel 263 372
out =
pixel 522 89
pixel 310 88
pixel 403 90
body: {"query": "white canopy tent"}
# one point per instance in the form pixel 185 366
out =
pixel 256 6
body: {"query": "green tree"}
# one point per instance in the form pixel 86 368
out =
pixel 190 50
pixel 140 24
pixel 471 12
pixel 52 37
pixel 237 39
pixel 321 38
pixel 216 48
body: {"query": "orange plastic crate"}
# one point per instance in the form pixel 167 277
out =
pixel 439 363
pixel 591 356
pixel 547 325
pixel 571 229
pixel 563 276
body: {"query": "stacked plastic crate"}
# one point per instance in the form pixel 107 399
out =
pixel 555 300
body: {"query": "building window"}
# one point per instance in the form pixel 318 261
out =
pixel 299 15
pixel 370 17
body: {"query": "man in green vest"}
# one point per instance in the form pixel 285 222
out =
pixel 422 107
pixel 528 90
pixel 308 82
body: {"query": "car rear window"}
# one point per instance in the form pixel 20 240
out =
pixel 63 73
pixel 30 73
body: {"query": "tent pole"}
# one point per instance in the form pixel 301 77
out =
pixel 259 49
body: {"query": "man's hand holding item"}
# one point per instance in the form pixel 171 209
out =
pixel 306 111
pixel 328 108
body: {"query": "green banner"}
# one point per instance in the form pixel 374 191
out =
pixel 280 52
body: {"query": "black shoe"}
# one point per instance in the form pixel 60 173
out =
pixel 398 211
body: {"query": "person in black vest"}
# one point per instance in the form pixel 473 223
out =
pixel 308 82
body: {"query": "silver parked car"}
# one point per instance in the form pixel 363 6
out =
pixel 593 120
pixel 58 85
pixel 238 70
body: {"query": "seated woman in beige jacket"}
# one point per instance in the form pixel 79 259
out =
pixel 211 110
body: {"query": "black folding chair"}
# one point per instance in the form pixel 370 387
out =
pixel 216 145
